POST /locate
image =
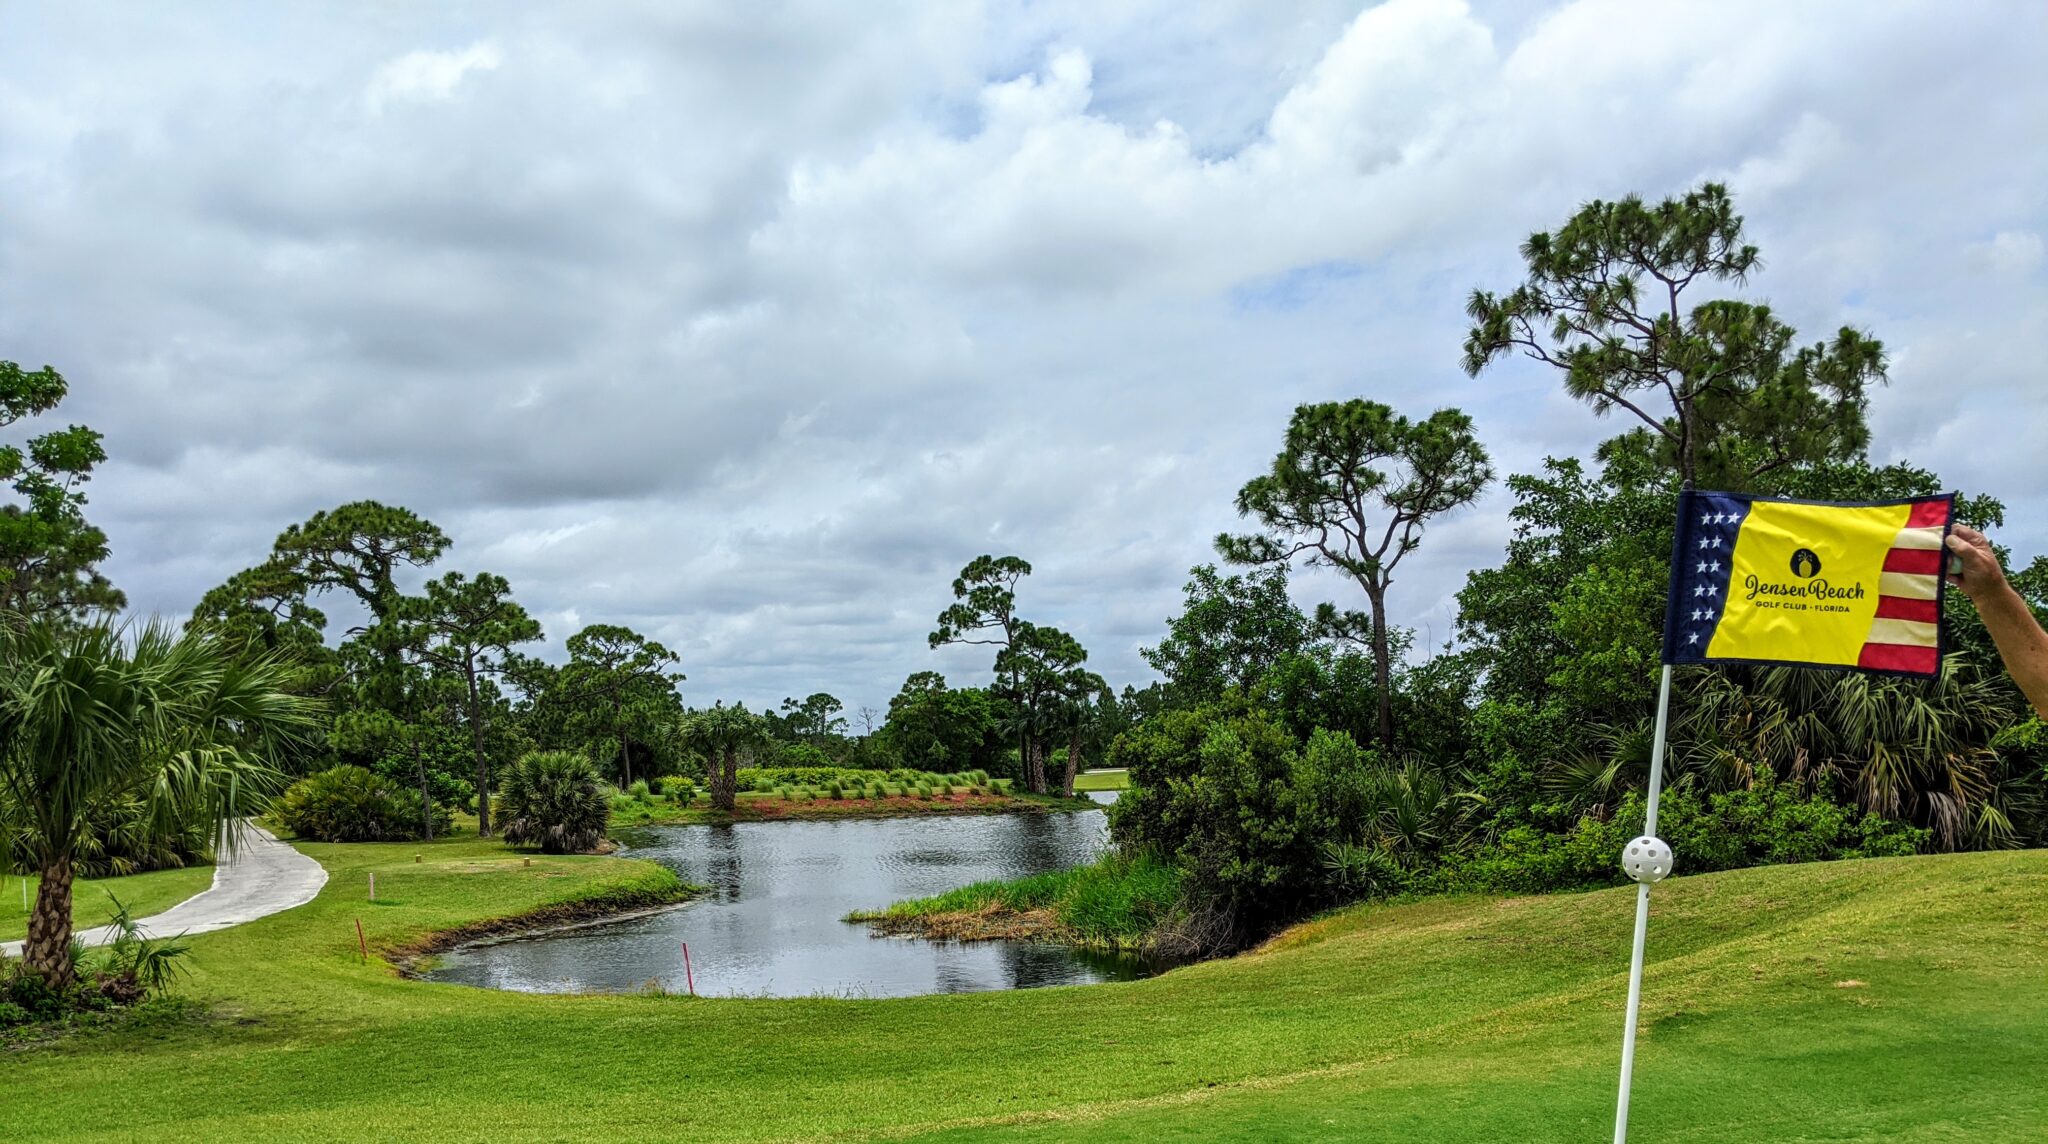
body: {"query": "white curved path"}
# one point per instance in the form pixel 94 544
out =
pixel 261 877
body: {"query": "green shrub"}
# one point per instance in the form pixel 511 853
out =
pixel 1244 809
pixel 553 800
pixel 353 804
pixel 640 792
pixel 657 785
pixel 1765 823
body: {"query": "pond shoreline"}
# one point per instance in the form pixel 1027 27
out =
pixel 991 923
pixel 413 959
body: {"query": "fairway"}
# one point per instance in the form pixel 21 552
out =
pixel 1102 780
pixel 1898 999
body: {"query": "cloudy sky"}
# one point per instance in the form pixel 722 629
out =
pixel 747 325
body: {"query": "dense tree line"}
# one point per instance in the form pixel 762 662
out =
pixel 1289 772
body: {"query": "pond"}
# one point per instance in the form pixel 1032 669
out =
pixel 769 924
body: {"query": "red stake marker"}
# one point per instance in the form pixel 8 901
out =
pixel 362 945
pixel 688 977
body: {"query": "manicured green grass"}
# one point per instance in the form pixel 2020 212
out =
pixel 1102 780
pixel 143 894
pixel 1897 999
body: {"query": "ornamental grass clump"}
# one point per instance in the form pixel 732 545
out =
pixel 553 800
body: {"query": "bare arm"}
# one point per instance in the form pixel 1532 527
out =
pixel 2021 642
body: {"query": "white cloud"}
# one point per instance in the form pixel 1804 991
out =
pixel 426 75
pixel 748 326
pixel 2010 252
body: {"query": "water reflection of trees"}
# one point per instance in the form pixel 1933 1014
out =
pixel 724 869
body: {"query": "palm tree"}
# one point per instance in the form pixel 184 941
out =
pixel 723 734
pixel 1920 751
pixel 1077 705
pixel 90 710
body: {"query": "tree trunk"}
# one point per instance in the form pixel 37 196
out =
pixel 48 949
pixel 1382 673
pixel 483 764
pixel 1073 761
pixel 724 777
pixel 625 755
pixel 419 762
pixel 1036 770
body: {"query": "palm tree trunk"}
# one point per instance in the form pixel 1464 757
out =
pixel 48 949
pixel 724 777
pixel 1073 762
pixel 1037 768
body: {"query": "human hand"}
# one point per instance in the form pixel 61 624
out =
pixel 1981 571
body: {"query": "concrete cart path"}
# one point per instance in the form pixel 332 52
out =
pixel 261 877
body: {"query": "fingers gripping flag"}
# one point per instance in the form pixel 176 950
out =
pixel 1761 580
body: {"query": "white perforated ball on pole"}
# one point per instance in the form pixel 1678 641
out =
pixel 1646 859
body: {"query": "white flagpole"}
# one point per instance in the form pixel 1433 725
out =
pixel 1647 860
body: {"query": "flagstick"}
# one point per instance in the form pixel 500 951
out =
pixel 1635 966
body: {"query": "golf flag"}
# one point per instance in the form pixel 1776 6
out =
pixel 1808 583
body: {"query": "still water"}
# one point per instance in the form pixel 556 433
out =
pixel 769 925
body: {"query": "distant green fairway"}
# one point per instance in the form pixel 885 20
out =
pixel 1900 999
pixel 1102 780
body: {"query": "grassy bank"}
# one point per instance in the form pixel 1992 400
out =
pixel 1893 999
pixel 143 894
pixel 1116 903
pixel 769 807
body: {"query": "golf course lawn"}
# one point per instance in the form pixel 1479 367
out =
pixel 143 894
pixel 1102 780
pixel 1898 999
